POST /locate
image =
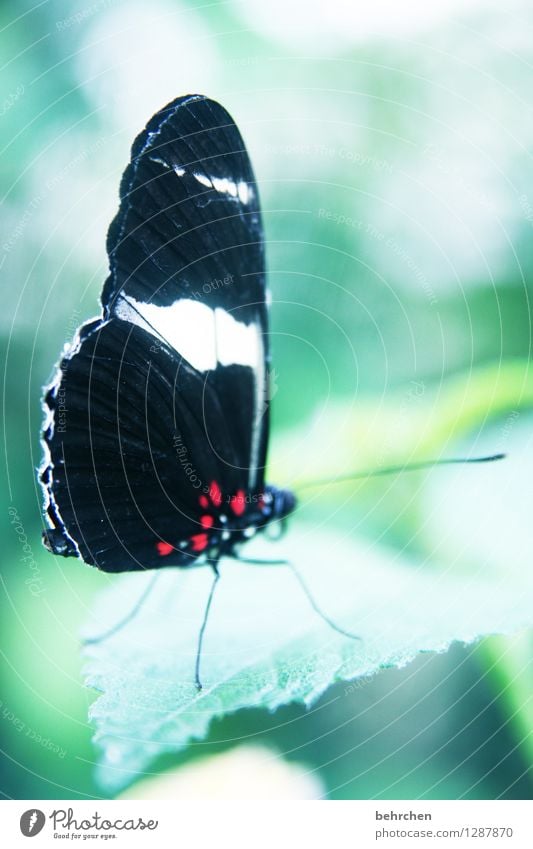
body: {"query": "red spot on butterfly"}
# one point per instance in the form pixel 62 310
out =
pixel 199 542
pixel 238 502
pixel 203 501
pixel 206 521
pixel 164 548
pixel 215 494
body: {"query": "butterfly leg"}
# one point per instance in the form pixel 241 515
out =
pixel 129 616
pixel 305 589
pixel 256 562
pixel 216 576
pixel 315 606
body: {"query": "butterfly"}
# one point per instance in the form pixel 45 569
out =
pixel 156 420
pixel 157 417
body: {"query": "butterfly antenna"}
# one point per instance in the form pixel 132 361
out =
pixel 318 610
pixel 216 577
pixel 122 622
pixel 394 470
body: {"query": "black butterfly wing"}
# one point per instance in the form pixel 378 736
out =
pixel 189 213
pixel 186 252
pixel 173 378
pixel 127 462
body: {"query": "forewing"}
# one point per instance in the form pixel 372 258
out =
pixel 189 215
pixel 187 262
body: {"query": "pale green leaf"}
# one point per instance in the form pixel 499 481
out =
pixel 265 647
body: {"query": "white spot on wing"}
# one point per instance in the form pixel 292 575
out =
pixel 203 336
pixel 260 393
pixel 236 343
pixel 244 191
pixel 205 181
pixel 225 186
pixel 159 161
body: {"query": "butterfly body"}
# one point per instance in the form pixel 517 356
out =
pixel 156 419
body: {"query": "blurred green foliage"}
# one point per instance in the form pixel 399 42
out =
pixel 396 177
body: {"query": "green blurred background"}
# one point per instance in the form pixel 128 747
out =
pixel 392 146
